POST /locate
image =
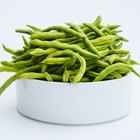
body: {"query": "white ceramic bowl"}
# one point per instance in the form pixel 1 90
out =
pixel 81 103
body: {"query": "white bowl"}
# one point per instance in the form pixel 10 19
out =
pixel 80 103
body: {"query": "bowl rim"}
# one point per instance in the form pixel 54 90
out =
pixel 79 83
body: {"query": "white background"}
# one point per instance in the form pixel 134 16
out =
pixel 16 14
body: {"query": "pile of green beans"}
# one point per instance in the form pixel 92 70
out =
pixel 88 52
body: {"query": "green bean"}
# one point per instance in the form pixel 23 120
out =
pixel 8 69
pixel 43 68
pixel 48 35
pixel 19 52
pixel 113 58
pixel 33 28
pixel 48 76
pixel 135 72
pixel 16 76
pixel 111 47
pixel 85 79
pixel 67 39
pixel 103 40
pixel 64 29
pixel 22 57
pixel 32 75
pixel 133 62
pixel 65 75
pixel 94 28
pixel 104 28
pixel 23 63
pixel 53 61
pixel 73 72
pixel 104 52
pixel 116 75
pixel 110 69
pixel 40 52
pixel 92 74
pixel 128 59
pixel 113 26
pixel 114 32
pixel 26 43
pixel 9 50
pixel 101 63
pixel 96 23
pixel 29 32
pixel 102 47
pixel 55 44
pixel 6 63
pixel 68 64
pixel 53 68
pixel 116 51
pixel 122 38
pixel 90 67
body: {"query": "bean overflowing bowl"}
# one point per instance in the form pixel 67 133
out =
pixel 88 52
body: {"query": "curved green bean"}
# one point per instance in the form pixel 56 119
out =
pixel 110 69
pixel 82 61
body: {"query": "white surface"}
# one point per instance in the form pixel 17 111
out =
pixel 41 13
pixel 81 103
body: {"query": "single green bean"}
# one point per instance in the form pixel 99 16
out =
pixel 65 75
pixel 43 68
pixel 40 52
pixel 16 76
pixel 85 79
pixel 6 63
pixel 48 76
pixel 110 69
pixel 29 32
pixel 55 44
pixel 33 28
pixel 94 28
pixel 64 29
pixel 9 50
pixel 26 43
pixel 24 56
pixel 53 61
pixel 113 26
pixel 48 35
pixel 8 69
pixel 116 51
